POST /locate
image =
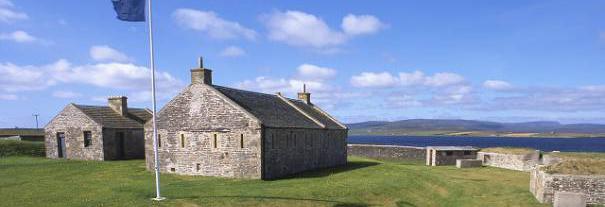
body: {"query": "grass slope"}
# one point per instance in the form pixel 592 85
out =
pixel 27 181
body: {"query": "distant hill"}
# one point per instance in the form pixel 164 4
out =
pixel 473 127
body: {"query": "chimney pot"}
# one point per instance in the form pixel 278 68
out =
pixel 304 96
pixel 201 74
pixel 119 104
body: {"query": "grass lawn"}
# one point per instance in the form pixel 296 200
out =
pixel 28 181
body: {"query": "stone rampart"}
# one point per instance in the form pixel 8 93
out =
pixel 524 162
pixel 544 186
pixel 388 152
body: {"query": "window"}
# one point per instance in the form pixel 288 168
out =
pixel 172 169
pixel 87 138
pixel 449 153
pixel 182 140
pixel 198 167
pixel 214 143
pixel 159 140
pixel 241 141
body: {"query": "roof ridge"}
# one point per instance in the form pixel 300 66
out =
pixel 301 111
pixel 84 105
pixel 237 89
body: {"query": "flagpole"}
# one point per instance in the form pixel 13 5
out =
pixel 153 106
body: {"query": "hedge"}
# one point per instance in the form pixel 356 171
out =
pixel 21 148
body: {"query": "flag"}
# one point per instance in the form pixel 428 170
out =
pixel 130 10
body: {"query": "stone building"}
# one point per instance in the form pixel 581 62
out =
pixel 447 155
pixel 97 132
pixel 212 130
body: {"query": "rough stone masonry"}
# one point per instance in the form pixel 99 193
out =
pixel 212 130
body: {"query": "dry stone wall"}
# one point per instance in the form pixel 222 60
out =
pixel 544 186
pixel 525 162
pixel 388 152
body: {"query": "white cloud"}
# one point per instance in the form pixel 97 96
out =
pixel 118 77
pixel 444 79
pixel 66 94
pixel 212 24
pixel 497 85
pixel 314 72
pixel 8 15
pixel 8 97
pixel 106 53
pixel 416 78
pixel 370 80
pixel 411 79
pixel 18 36
pixel 301 29
pixel 297 28
pixel 23 78
pixel 361 24
pixel 232 51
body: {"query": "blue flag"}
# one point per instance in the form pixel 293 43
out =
pixel 130 10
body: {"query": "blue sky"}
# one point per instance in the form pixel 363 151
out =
pixel 491 60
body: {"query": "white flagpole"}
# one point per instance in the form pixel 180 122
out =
pixel 153 106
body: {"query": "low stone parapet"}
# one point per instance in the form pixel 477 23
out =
pixel 468 163
pixel 387 152
pixel 523 162
pixel 544 186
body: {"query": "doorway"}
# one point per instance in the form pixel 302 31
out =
pixel 61 144
pixel 120 145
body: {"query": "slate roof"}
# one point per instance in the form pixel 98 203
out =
pixel 273 111
pixel 109 118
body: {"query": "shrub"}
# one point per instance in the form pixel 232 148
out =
pixel 21 148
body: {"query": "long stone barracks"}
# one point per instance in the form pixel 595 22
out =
pixel 84 132
pixel 212 130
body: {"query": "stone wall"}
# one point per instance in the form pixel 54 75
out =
pixel 73 123
pixel 526 162
pixel 388 152
pixel 133 146
pixel 444 157
pixel 544 186
pixel 187 127
pixel 288 151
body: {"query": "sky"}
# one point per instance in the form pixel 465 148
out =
pixel 507 61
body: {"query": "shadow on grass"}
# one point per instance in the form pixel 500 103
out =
pixel 336 203
pixel 350 166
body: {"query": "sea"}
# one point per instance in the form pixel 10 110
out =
pixel 544 144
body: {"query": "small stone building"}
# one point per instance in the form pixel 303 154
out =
pixel 213 130
pixel 84 132
pixel 447 155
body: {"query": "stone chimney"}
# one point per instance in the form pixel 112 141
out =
pixel 119 104
pixel 304 96
pixel 201 74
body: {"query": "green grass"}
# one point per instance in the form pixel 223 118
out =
pixel 577 163
pixel 27 181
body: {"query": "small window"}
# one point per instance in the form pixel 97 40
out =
pixel 467 152
pixel 87 138
pixel 182 140
pixel 449 153
pixel 159 140
pixel 214 143
pixel 198 167
pixel 241 141
pixel 172 169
